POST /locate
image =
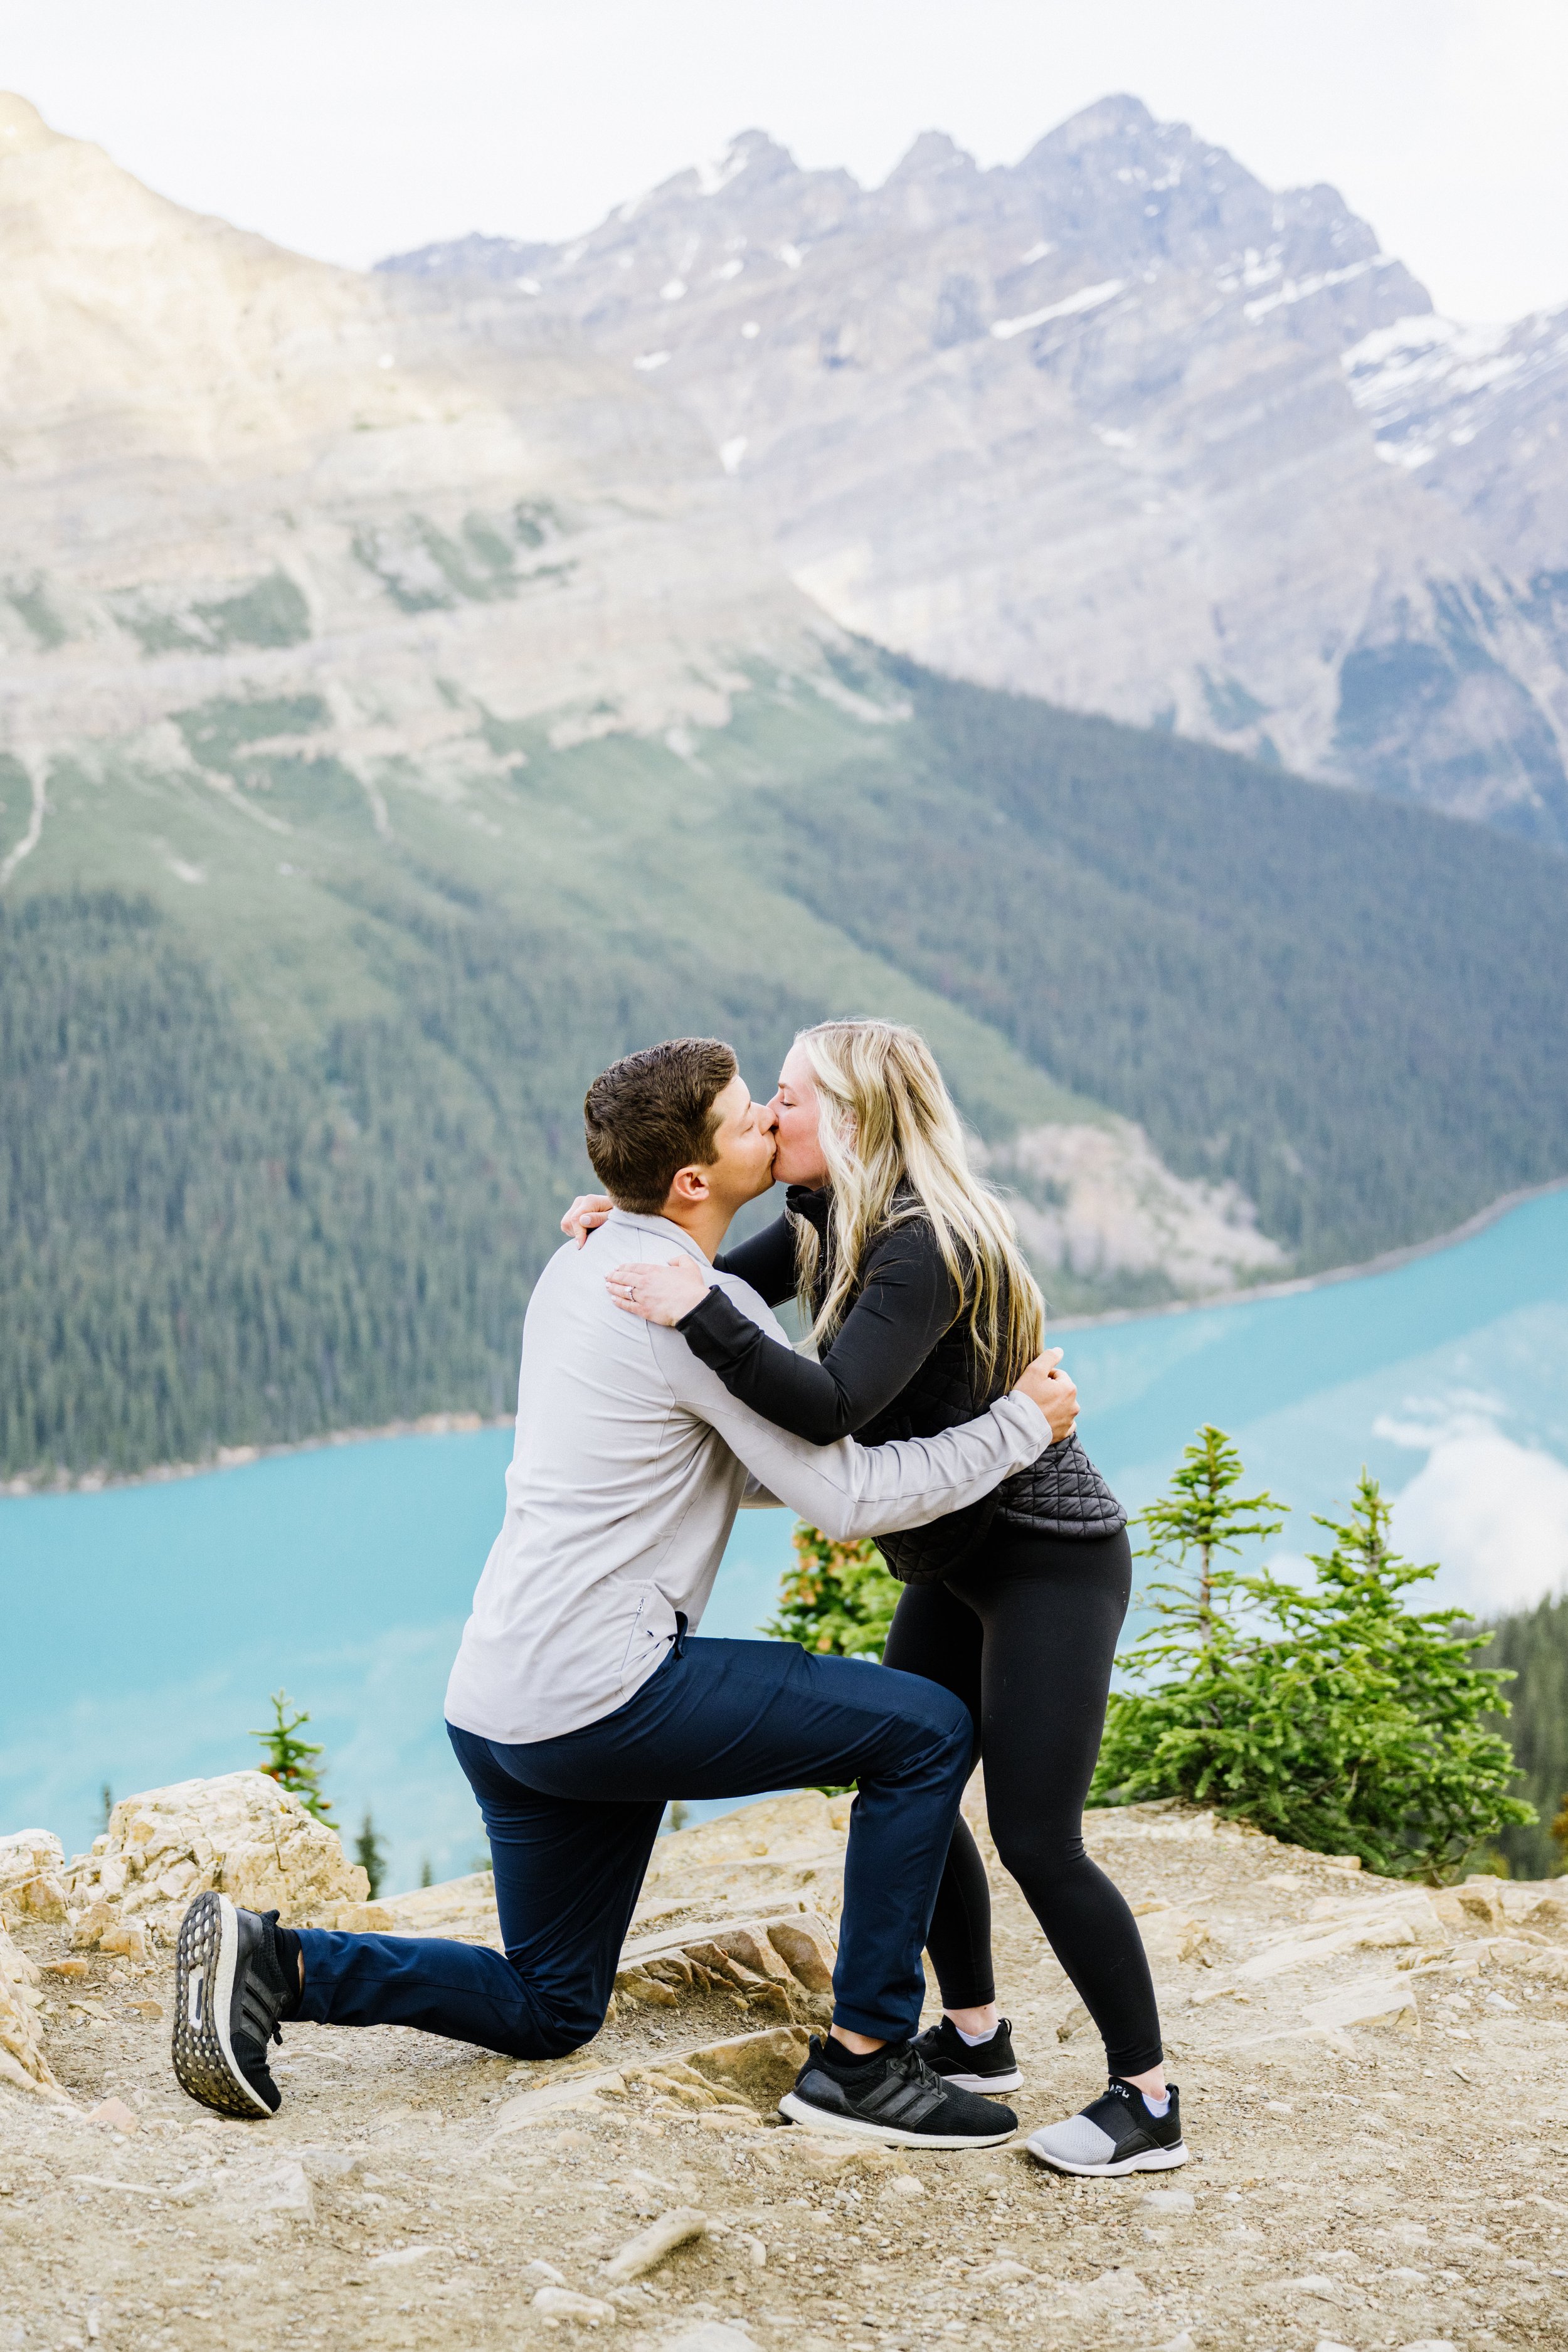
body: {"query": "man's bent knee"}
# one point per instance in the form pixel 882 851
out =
pixel 556 2028
pixel 939 1730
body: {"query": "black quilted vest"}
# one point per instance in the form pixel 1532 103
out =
pixel 1061 1494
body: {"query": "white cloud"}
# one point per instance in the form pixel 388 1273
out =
pixel 1495 1513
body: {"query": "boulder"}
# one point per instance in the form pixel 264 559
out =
pixel 759 2067
pixel 240 1833
pixel 778 1966
pixel 32 1877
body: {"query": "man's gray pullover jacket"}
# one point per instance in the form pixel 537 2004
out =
pixel 630 1463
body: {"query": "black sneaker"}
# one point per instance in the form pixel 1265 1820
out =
pixel 988 2066
pixel 230 1990
pixel 1116 2133
pixel 893 2097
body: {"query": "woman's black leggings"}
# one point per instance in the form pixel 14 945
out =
pixel 1026 1637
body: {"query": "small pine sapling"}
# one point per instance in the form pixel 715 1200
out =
pixel 1430 1782
pixel 285 1759
pixel 1202 1516
pixel 370 1853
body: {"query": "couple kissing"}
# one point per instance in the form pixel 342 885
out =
pixel 657 1395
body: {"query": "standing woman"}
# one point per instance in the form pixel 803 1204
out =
pixel 923 1310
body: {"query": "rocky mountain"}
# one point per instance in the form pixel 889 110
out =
pixel 225 461
pixel 1122 427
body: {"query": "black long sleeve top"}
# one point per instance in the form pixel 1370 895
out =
pixel 900 1365
pixel 906 1301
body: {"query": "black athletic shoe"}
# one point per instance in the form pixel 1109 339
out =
pixel 1115 2134
pixel 894 2098
pixel 230 1990
pixel 988 2066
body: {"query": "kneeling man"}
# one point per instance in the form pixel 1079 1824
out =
pixel 582 1701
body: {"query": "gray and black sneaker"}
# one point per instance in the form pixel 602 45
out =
pixel 1114 2133
pixel 230 1989
pixel 892 2096
pixel 988 2066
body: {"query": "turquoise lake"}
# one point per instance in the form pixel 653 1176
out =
pixel 147 1624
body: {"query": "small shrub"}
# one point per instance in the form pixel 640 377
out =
pixel 1332 1715
pixel 838 1599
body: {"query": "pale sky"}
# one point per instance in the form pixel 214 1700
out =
pixel 351 129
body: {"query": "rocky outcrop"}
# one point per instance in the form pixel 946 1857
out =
pixel 32 1877
pixel 1355 2055
pixel 240 1833
pixel 22 2061
pixel 1098 1202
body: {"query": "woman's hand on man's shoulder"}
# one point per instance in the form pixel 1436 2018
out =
pixel 588 1210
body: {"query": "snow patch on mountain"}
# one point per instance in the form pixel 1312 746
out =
pixel 1087 298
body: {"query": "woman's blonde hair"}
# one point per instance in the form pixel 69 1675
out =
pixel 895 1149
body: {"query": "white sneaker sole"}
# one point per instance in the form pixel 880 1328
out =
pixel 796 2110
pixel 205 2062
pixel 986 2084
pixel 1148 2159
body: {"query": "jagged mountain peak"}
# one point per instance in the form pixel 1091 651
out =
pixel 754 169
pixel 1122 426
pixel 1119 116
pixel 755 152
pixel 933 155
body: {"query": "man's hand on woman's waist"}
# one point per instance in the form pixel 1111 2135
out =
pixel 1054 1391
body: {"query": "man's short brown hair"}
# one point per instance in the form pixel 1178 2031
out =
pixel 653 1114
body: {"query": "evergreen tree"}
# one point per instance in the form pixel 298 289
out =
pixel 1203 1515
pixel 1533 1644
pixel 286 1757
pixel 1330 1714
pixel 838 1599
pixel 371 1854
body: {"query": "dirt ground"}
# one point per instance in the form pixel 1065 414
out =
pixel 1374 2087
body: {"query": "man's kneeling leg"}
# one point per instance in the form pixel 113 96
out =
pixel 567 1877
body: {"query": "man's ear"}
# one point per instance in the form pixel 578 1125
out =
pixel 691 1187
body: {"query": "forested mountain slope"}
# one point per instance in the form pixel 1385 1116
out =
pixel 1122 427
pixel 284 1146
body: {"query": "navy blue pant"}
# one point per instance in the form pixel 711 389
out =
pixel 572 1823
